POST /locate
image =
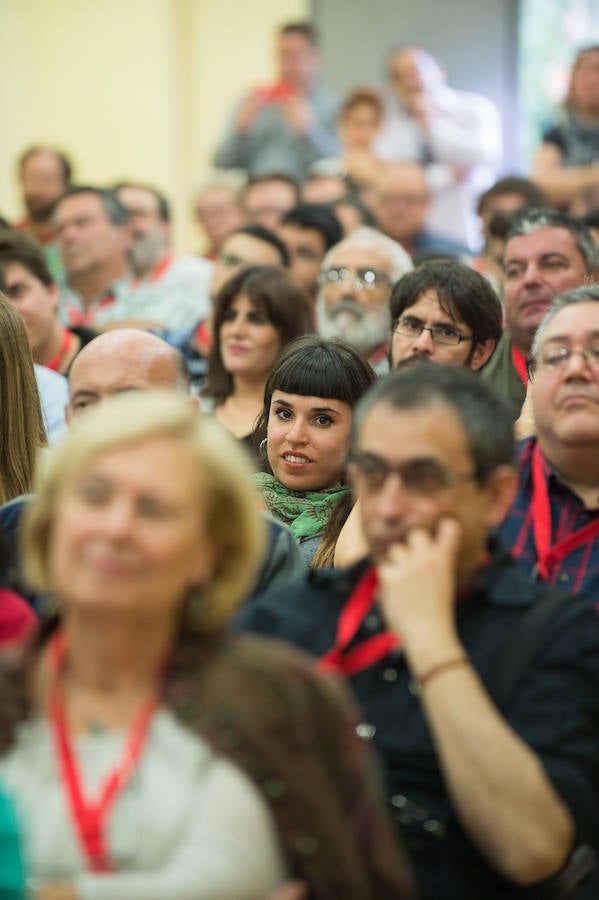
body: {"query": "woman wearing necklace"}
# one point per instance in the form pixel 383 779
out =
pixel 115 732
pixel 257 312
pixel 304 430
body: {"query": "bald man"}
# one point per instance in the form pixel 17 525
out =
pixel 123 360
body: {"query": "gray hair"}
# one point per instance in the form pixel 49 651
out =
pixel 530 220
pixel 400 261
pixel 233 179
pixel 585 294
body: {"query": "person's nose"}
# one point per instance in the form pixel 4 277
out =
pixel 297 431
pixel 532 274
pixel 117 519
pixel 67 232
pixel 424 342
pixel 577 366
pixel 393 499
pixel 348 289
pixel 238 325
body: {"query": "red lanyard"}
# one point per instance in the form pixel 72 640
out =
pixel 79 317
pixel 369 651
pixel 547 556
pixel 203 336
pixel 519 361
pixel 90 817
pixel 67 340
pixel 156 274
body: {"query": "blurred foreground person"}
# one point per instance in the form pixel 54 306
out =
pixel 145 532
pixel 490 755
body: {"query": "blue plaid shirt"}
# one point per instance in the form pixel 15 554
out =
pixel 578 572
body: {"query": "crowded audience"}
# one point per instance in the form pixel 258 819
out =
pixel 299 533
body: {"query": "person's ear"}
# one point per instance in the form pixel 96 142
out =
pixel 482 353
pixel 501 487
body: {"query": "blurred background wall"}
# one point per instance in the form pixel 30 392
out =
pixel 142 88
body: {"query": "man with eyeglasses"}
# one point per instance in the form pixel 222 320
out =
pixel 490 797
pixel 356 278
pixel 446 312
pixel 553 527
pixel 547 252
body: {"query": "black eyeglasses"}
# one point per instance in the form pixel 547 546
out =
pixel 410 327
pixel 423 475
pixel 554 357
pixel 363 278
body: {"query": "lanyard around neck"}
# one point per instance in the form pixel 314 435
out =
pixel 90 817
pixel 548 557
pixel 56 361
pixel 367 652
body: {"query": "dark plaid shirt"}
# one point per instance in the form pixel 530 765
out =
pixel 578 572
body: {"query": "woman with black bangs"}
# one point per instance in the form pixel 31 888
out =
pixel 303 433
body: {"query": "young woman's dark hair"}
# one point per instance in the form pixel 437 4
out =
pixel 270 290
pixel 315 367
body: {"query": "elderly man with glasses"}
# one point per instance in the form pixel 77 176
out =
pixel 553 527
pixel 356 278
pixel 492 788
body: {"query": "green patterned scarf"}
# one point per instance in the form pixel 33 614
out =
pixel 306 512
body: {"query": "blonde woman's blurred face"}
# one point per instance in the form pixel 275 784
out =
pixel 249 342
pixel 129 536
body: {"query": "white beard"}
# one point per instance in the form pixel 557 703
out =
pixel 366 329
pixel 146 251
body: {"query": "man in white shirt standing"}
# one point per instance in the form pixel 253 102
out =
pixel 455 134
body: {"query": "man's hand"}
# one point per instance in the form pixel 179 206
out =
pixel 248 112
pixel 298 114
pixel 417 593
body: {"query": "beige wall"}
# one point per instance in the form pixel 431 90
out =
pixel 130 88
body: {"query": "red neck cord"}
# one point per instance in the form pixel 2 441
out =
pixel 90 817
pixel 367 652
pixel 548 557
pixel 56 361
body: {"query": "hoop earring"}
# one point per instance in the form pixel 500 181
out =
pixel 262 446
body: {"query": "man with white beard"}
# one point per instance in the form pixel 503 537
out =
pixel 356 278
pixel 166 292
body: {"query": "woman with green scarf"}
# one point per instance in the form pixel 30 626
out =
pixel 303 433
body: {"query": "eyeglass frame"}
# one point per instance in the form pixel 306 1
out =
pixel 461 338
pixel 565 354
pixel 357 279
pixel 447 477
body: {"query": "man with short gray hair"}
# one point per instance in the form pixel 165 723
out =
pixel 552 528
pixel 547 252
pixel 356 278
